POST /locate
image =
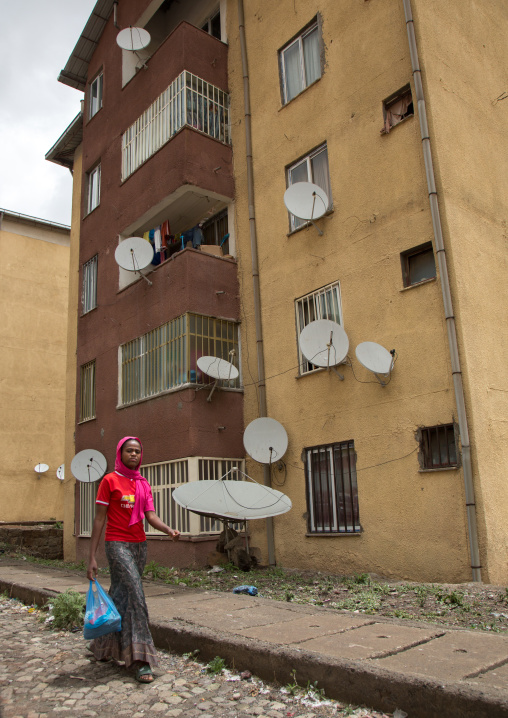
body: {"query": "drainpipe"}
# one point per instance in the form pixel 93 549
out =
pixel 255 268
pixel 447 300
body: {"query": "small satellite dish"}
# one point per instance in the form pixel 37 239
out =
pixel 376 359
pixel 217 368
pixel 41 468
pixel 89 465
pixel 133 38
pixel 238 500
pixel 324 343
pixel 265 440
pixel 134 254
pixel 306 201
pixel 60 472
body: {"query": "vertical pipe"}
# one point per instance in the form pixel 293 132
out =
pixel 254 254
pixel 447 299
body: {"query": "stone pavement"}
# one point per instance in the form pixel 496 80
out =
pixel 421 669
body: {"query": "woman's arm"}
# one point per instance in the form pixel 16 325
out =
pixel 156 523
pixel 98 524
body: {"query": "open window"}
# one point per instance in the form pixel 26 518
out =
pixel 95 95
pixel 93 189
pixel 396 108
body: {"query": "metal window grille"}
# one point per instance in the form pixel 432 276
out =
pixel 166 357
pixel 189 101
pixel 87 495
pixel 215 231
pixel 87 392
pixel 167 476
pixel 89 295
pixel 312 168
pixel 332 492
pixel 94 189
pixel 438 447
pixel 324 303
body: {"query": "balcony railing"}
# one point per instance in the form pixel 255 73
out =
pixel 188 101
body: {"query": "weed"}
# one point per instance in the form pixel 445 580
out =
pixel 192 655
pixel 313 691
pixel 402 614
pixel 58 525
pixel 289 596
pixel 293 688
pixel 68 610
pixel 216 666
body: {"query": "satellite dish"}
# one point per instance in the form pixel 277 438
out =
pixel 217 368
pixel 324 343
pixel 133 38
pixel 89 465
pixel 60 472
pixel 41 468
pixel 306 200
pixel 265 440
pixel 375 358
pixel 134 254
pixel 238 500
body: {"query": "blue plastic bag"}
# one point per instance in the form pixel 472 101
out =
pixel 249 590
pixel 101 615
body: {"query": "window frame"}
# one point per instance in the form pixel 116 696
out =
pixel 389 102
pixel 405 261
pixel 342 505
pixel 207 25
pixel 93 188
pixel 94 107
pixel 313 26
pixel 89 285
pixel 294 222
pixel 426 452
pixel 318 297
pixel 87 392
pixel 213 226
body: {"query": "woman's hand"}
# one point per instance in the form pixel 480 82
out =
pixel 174 534
pixel 91 572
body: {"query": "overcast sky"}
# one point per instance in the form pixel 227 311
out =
pixel 36 40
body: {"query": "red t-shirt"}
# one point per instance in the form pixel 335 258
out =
pixel 117 493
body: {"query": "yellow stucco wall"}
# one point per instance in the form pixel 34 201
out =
pixel 33 335
pixel 464 74
pixel 414 523
pixel 70 372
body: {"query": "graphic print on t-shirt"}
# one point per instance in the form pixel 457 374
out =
pixel 127 501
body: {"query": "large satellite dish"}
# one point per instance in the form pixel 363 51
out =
pixel 265 440
pixel 134 254
pixel 217 368
pixel 324 343
pixel 376 359
pixel 89 465
pixel 237 500
pixel 41 468
pixel 306 201
pixel 60 472
pixel 133 38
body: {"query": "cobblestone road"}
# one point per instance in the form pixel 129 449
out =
pixel 45 673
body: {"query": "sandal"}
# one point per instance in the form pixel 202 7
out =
pixel 144 674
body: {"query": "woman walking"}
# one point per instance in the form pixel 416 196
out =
pixel 123 499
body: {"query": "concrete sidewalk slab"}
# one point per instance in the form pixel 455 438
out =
pixel 450 673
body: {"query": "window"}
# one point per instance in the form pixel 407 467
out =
pixel 89 294
pixel 166 476
pixel 212 25
pixel 418 264
pixel 87 392
pixel 324 303
pixel 87 496
pixel 396 108
pixel 95 96
pixel 312 168
pixel 93 189
pixel 215 231
pixel 166 358
pixel 332 493
pixel 438 449
pixel 300 63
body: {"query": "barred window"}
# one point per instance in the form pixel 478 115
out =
pixel 312 168
pixel 87 495
pixel 87 392
pixel 215 231
pixel 438 449
pixel 167 476
pixel 323 303
pixel 166 358
pixel 332 493
pixel 89 293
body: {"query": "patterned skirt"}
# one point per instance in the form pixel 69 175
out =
pixel 134 642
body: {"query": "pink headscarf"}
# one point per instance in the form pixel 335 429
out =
pixel 142 497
